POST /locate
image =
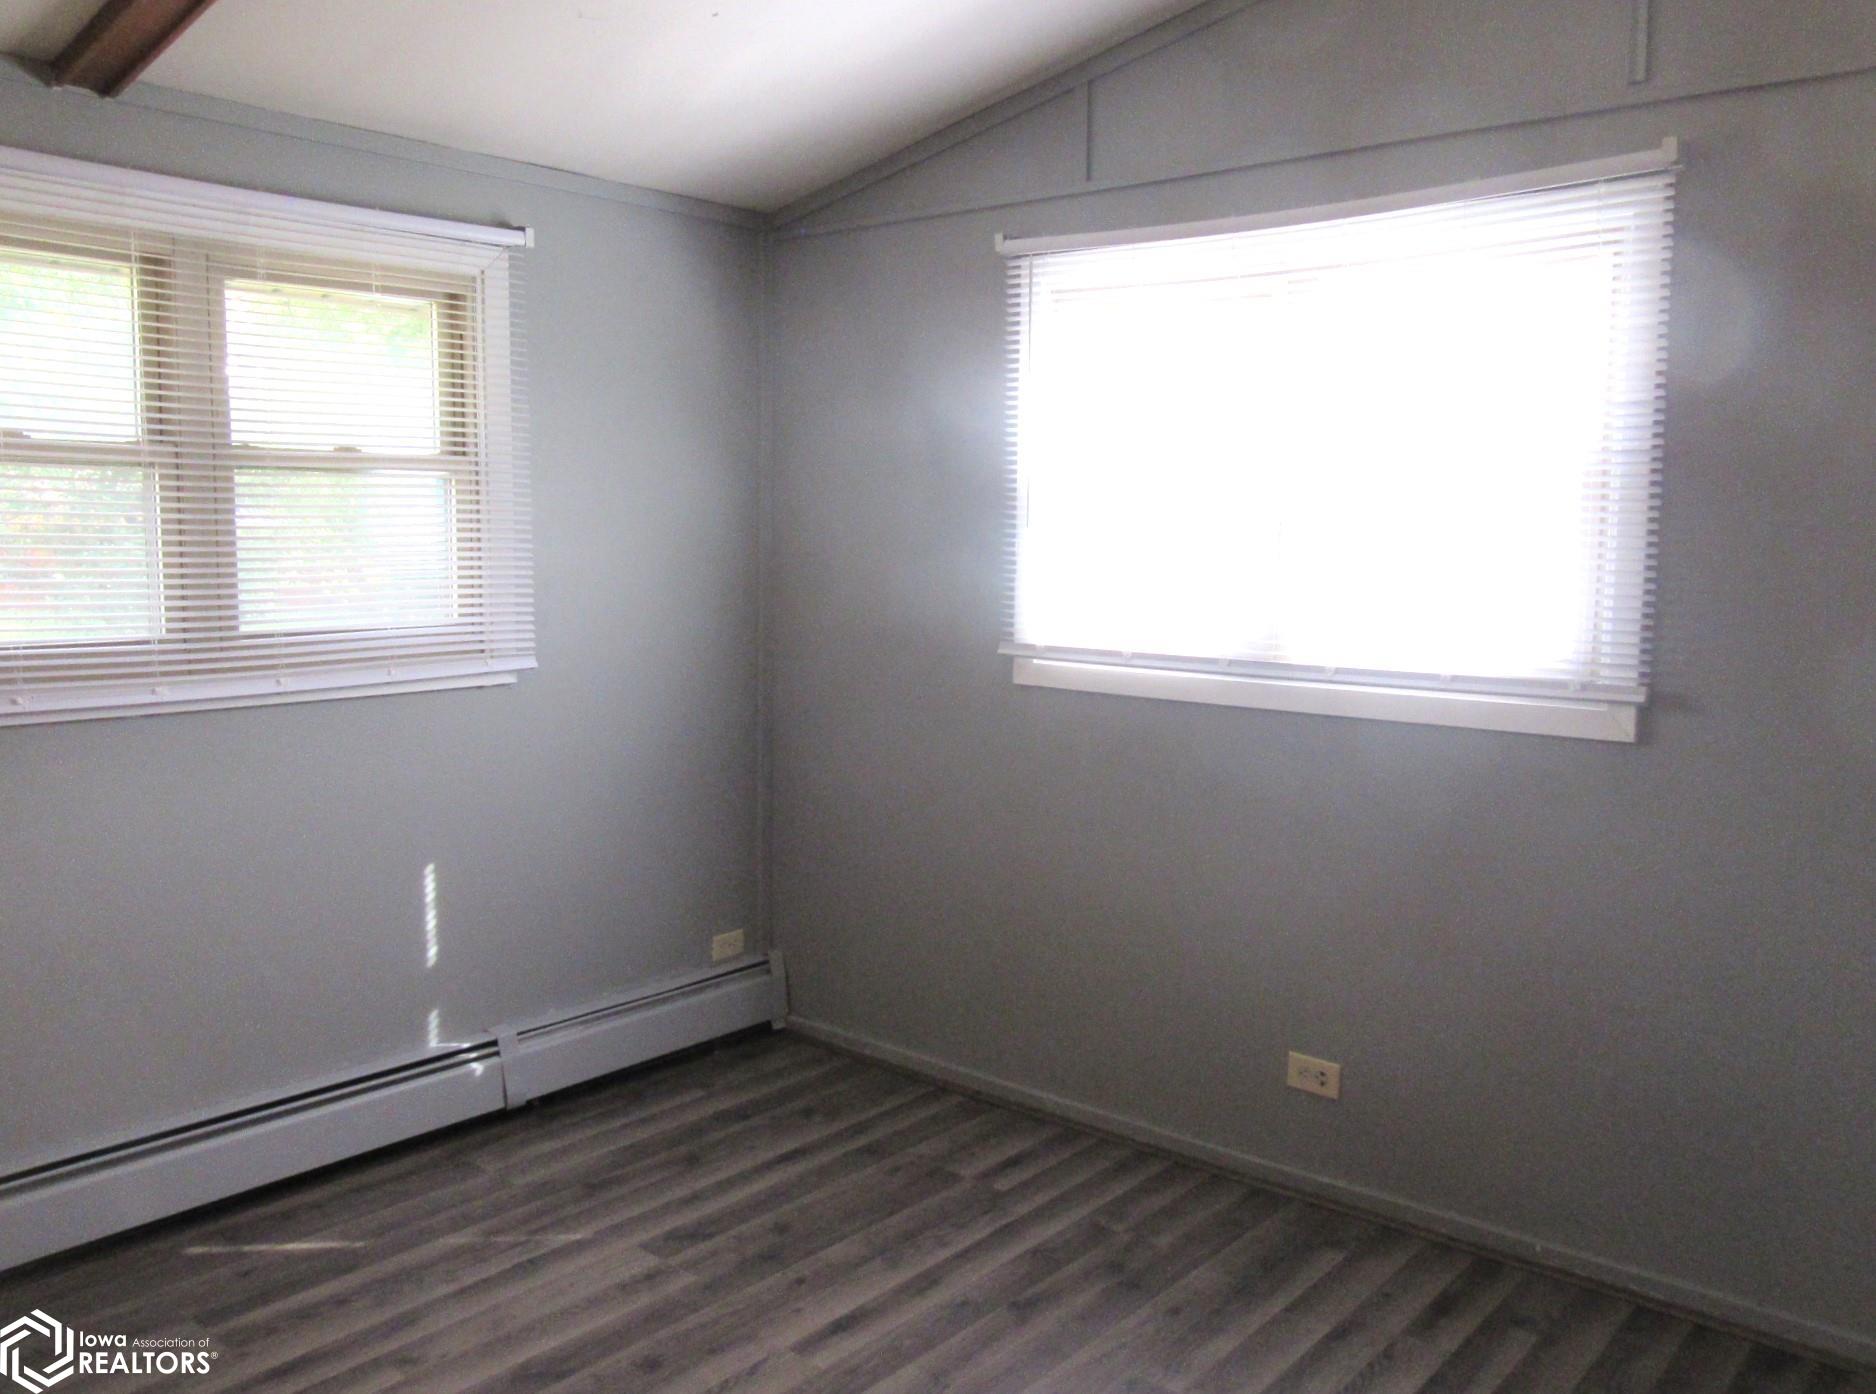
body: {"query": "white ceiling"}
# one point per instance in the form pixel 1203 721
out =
pixel 747 102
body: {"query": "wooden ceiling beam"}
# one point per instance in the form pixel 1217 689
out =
pixel 122 39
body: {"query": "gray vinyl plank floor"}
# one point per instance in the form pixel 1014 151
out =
pixel 769 1217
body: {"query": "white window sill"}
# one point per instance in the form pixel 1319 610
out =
pixel 318 688
pixel 1537 716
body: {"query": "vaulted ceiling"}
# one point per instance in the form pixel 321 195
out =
pixel 747 102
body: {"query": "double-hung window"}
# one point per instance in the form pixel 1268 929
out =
pixel 1395 459
pixel 251 448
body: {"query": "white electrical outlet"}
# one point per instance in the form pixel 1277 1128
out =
pixel 1315 1076
pixel 729 945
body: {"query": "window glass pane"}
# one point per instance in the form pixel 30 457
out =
pixel 77 543
pixel 320 369
pixel 344 549
pixel 68 350
pixel 1441 526
pixel 1371 467
pixel 1420 443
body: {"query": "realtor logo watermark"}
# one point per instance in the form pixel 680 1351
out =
pixel 39 1350
pixel 38 1377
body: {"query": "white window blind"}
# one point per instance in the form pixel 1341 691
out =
pixel 1413 446
pixel 251 448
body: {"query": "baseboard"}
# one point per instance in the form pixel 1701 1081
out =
pixel 1747 1318
pixel 60 1206
pixel 552 1055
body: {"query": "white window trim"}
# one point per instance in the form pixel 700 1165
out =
pixel 258 202
pixel 1667 154
pixel 199 214
pixel 1534 716
pixel 243 695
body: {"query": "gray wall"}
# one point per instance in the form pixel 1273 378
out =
pixel 199 909
pixel 1616 1001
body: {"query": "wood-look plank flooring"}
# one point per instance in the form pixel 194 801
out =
pixel 768 1217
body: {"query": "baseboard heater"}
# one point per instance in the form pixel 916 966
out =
pixel 75 1200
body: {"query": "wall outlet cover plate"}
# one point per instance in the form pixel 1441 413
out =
pixel 1313 1076
pixel 726 945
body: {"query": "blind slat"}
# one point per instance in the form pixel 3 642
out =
pixel 250 448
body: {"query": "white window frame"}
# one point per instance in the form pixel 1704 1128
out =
pixel 199 250
pixel 1541 714
pixel 1532 716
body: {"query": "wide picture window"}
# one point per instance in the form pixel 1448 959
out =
pixel 1395 460
pixel 251 449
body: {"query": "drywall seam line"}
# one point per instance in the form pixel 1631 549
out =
pixel 1813 1339
pixel 1641 43
pixel 958 210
